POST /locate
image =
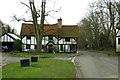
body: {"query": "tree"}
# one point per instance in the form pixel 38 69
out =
pixel 103 19
pixel 35 16
pixel 86 36
pixel 38 30
pixel 6 28
pixel 1 25
pixel 17 46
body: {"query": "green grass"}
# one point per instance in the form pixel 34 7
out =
pixel 26 54
pixel 0 73
pixel 110 51
pixel 44 68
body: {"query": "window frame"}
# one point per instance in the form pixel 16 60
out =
pixel 67 39
pixel 28 46
pixel 119 41
pixel 29 37
pixel 50 37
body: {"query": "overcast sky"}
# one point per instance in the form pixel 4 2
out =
pixel 72 11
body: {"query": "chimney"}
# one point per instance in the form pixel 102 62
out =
pixel 60 23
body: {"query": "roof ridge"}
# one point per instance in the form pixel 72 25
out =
pixel 39 24
pixel 69 25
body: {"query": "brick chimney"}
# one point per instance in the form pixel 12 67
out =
pixel 60 23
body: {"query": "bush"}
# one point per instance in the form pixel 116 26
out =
pixel 17 46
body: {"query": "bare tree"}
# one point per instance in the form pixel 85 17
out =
pixel 103 18
pixel 38 29
pixel 6 28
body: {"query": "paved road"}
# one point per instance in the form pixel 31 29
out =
pixel 6 59
pixel 95 65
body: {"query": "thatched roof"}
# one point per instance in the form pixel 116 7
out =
pixel 52 29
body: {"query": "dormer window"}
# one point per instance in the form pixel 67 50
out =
pixel 50 37
pixel 28 37
pixel 67 39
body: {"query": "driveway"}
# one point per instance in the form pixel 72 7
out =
pixel 6 59
pixel 95 65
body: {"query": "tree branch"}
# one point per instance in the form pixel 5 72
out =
pixel 46 21
pixel 20 19
pixel 46 14
pixel 38 15
pixel 25 5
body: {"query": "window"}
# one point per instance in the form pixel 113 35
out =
pixel 28 46
pixel 61 47
pixel 42 46
pixel 118 40
pixel 28 37
pixel 67 39
pixel 50 37
pixel 73 47
pixel 35 46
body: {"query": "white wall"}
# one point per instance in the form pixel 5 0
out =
pixel 67 47
pixel 6 38
pixel 72 41
pixel 32 47
pixel 45 40
pixel 32 41
pixel 55 40
pixel 117 45
pixel 61 41
pixel 24 40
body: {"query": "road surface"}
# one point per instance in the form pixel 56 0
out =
pixel 95 65
pixel 7 59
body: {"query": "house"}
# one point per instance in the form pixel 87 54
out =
pixel 8 39
pixel 118 40
pixel 62 37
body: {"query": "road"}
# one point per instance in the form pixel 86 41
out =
pixel 95 65
pixel 6 59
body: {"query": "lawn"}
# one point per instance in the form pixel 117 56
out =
pixel 27 54
pixel 44 68
pixel 109 51
pixel 0 73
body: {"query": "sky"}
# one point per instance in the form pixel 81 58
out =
pixel 71 11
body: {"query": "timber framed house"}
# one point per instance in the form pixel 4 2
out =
pixel 61 37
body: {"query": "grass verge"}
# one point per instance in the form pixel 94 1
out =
pixel 108 52
pixel 44 68
pixel 0 73
pixel 26 54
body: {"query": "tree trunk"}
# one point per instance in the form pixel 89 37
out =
pixel 41 28
pixel 112 20
pixel 35 24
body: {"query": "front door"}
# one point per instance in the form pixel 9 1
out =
pixel 50 47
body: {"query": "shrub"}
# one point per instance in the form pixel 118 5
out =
pixel 17 46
